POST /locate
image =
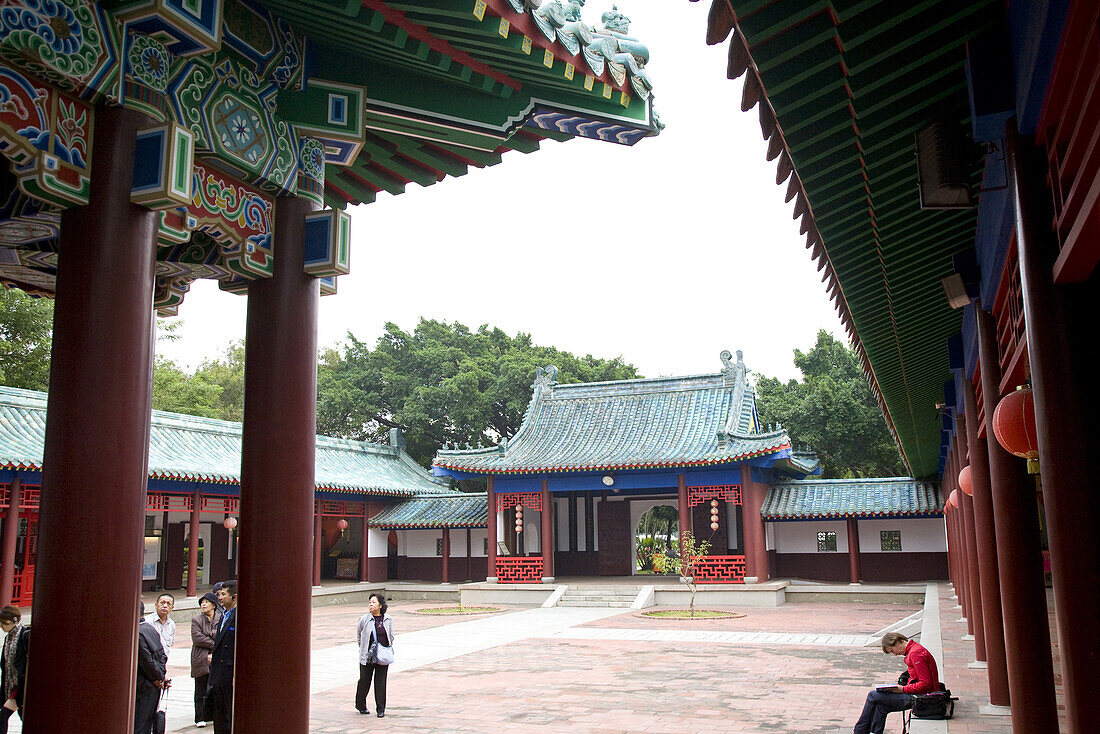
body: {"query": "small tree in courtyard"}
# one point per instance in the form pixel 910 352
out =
pixel 684 563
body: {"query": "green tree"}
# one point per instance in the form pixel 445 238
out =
pixel 214 390
pixel 833 411
pixel 26 336
pixel 441 383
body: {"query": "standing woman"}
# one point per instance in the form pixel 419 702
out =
pixel 13 661
pixel 204 627
pixel 375 636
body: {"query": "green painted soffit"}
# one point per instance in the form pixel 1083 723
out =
pixel 850 84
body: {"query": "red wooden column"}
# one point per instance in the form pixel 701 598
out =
pixel 1029 666
pixel 683 510
pixel 491 531
pixel 1063 382
pixel 446 553
pixel 193 546
pixel 469 552
pixel 547 516
pixel 853 551
pixel 974 617
pixel 318 536
pixel 756 545
pixel 277 488
pixel 11 541
pixel 364 551
pixel 97 439
pixel 986 543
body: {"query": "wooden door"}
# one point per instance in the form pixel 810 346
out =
pixel 614 538
pixel 174 557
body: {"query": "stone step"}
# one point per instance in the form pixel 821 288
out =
pixel 608 604
pixel 600 597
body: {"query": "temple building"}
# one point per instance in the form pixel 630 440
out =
pixel 568 490
pixel 371 501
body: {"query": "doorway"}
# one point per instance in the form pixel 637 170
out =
pixel 657 531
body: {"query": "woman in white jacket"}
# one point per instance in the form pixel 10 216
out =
pixel 375 636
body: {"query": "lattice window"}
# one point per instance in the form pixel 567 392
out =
pixel 529 500
pixel 31 496
pixel 224 505
pixel 338 508
pixel 890 540
pixel 720 569
pixel 161 502
pixel 519 570
pixel 731 493
pixel 826 541
pixel 439 546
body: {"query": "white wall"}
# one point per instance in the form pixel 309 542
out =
pixel 561 523
pixel 801 537
pixel 420 543
pixel 731 525
pixel 918 535
pixel 377 545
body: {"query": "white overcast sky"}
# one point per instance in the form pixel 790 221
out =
pixel 664 253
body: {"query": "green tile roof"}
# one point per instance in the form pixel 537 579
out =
pixel 647 423
pixel 435 511
pixel 843 498
pixel 189 448
pixel 842 88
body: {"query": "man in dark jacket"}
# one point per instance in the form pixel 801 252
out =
pixel 219 692
pixel 152 667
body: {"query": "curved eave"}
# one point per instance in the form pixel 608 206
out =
pixel 424 526
pixel 853 516
pixel 610 467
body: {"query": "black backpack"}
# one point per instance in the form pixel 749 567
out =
pixel 936 705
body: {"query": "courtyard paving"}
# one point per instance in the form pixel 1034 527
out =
pixel 800 668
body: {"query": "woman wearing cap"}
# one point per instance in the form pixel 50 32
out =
pixel 13 662
pixel 204 627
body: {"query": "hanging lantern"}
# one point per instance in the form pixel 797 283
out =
pixel 1014 426
pixel 342 524
pixel 965 482
pixel 714 503
pixel 953 498
pixel 230 523
pixel 714 526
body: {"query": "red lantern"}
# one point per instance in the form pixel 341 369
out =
pixel 230 523
pixel 342 524
pixel 965 483
pixel 1014 424
pixel 714 503
pixel 953 498
pixel 714 526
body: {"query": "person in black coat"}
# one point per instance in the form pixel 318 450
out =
pixel 152 669
pixel 219 691
pixel 13 664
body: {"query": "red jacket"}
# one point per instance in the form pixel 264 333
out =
pixel 923 675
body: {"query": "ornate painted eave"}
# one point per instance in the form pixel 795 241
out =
pixel 841 91
pixel 193 449
pixel 835 499
pixel 249 100
pixel 456 510
pixel 698 421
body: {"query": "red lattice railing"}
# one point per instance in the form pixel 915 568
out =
pixel 729 492
pixel 224 505
pixel 519 570
pixel 529 500
pixel 161 502
pixel 719 569
pixel 23 587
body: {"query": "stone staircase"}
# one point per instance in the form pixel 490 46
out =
pixel 598 595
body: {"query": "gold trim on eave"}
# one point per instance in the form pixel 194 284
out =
pixel 569 71
pixel 548 58
pixel 479 9
pixel 526 45
pixel 606 91
pixel 588 82
pixel 502 29
pixel 624 99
